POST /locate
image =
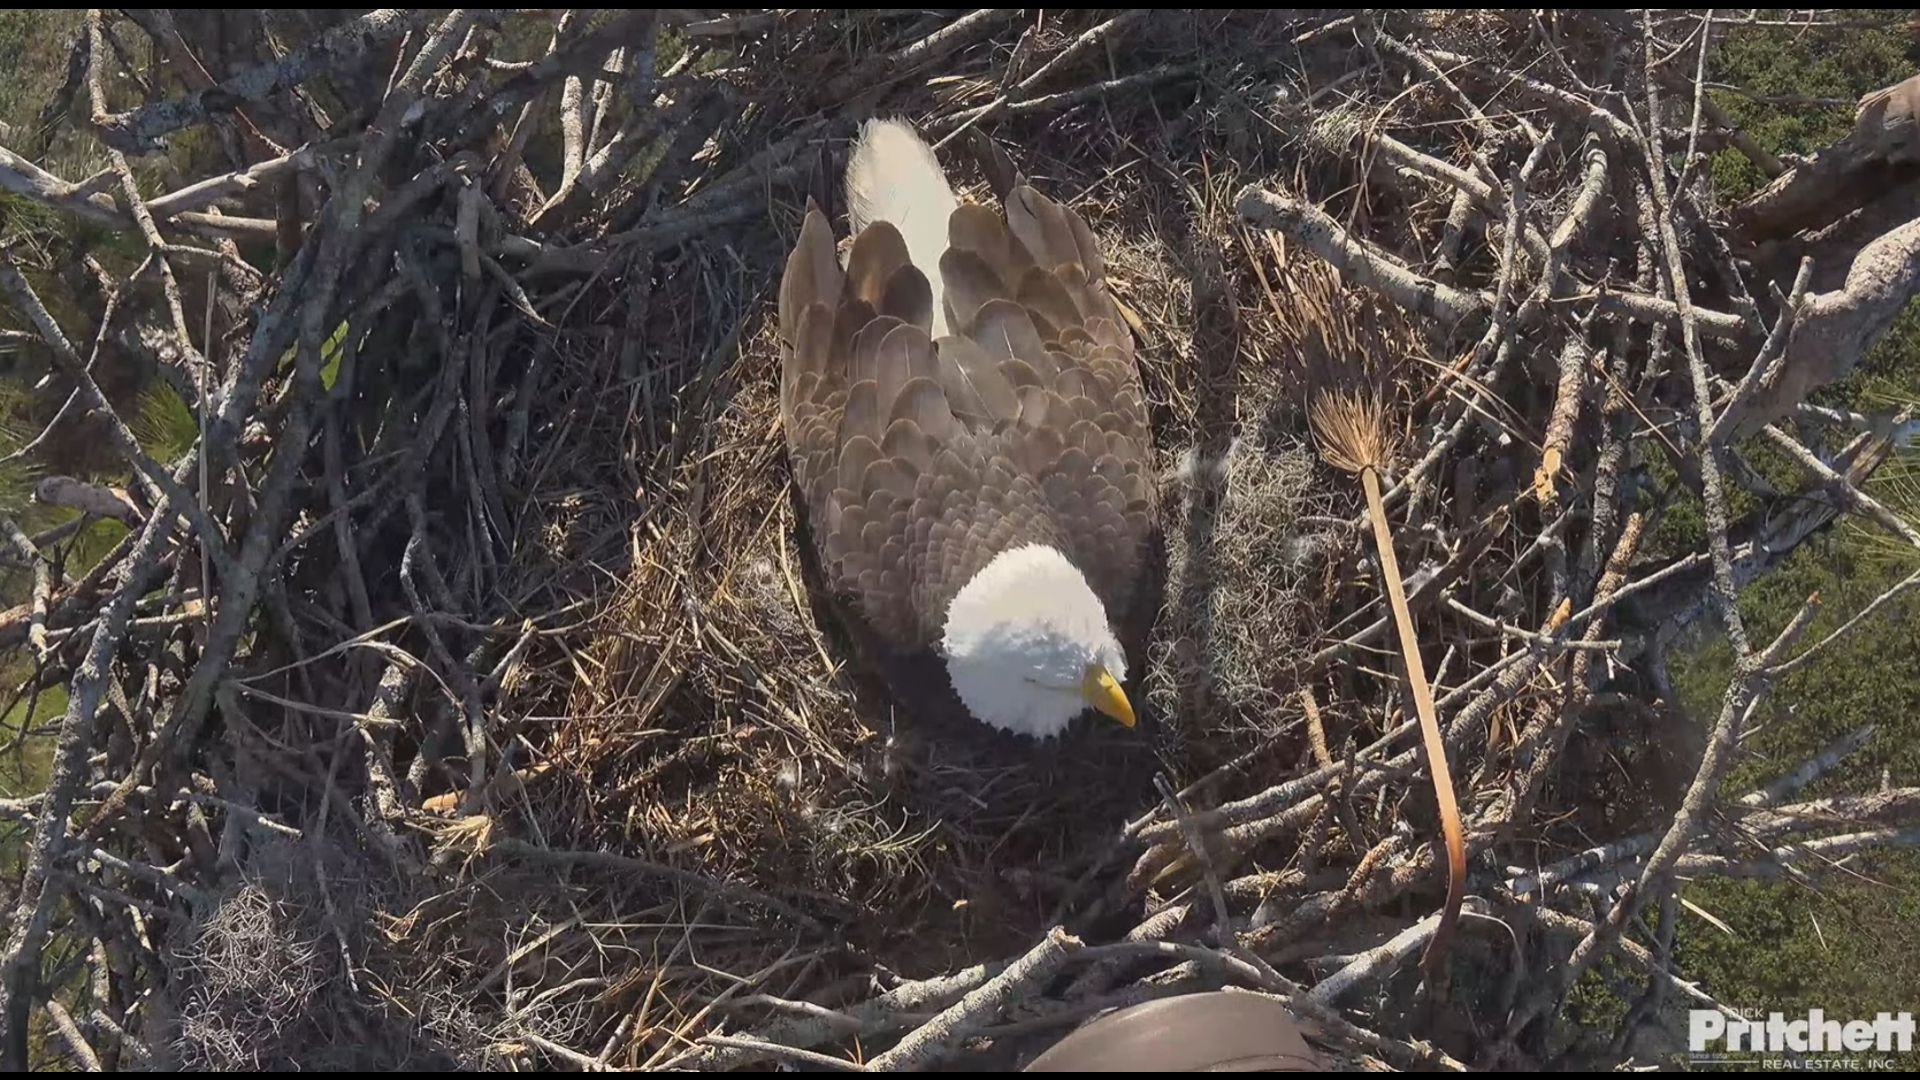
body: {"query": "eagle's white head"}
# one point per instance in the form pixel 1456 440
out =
pixel 1029 647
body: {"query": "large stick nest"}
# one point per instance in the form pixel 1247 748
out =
pixel 456 700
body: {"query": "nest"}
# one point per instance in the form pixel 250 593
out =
pixel 456 698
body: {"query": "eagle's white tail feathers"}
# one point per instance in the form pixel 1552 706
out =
pixel 894 177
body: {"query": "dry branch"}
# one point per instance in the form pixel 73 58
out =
pixel 138 130
pixel 85 200
pixel 1834 330
pixel 934 1040
pixel 1320 234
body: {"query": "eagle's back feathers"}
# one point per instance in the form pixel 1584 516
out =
pixel 919 457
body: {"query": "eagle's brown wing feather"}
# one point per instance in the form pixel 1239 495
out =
pixel 919 461
pixel 1086 435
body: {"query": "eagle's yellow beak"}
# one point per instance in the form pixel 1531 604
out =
pixel 1104 694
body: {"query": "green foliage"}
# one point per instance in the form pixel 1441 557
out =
pixel 1779 69
pixel 17 475
pixel 30 38
pixel 1851 944
pixel 25 772
pixel 1870 676
pixel 35 43
pixel 1846 948
pixel 164 426
pixel 331 353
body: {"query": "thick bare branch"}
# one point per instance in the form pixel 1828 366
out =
pixel 1357 261
pixel 140 130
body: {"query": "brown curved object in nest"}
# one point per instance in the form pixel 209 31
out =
pixel 919 458
pixel 1219 1031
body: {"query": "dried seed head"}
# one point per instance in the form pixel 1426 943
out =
pixel 1351 427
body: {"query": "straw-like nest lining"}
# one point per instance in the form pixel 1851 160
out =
pixel 512 738
pixel 713 717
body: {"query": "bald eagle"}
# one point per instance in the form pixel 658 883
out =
pixel 969 445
